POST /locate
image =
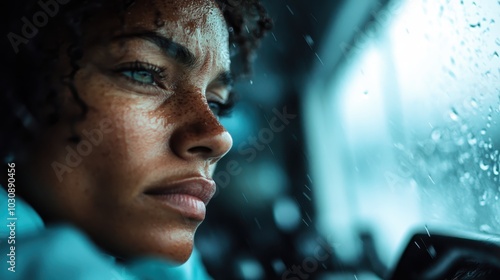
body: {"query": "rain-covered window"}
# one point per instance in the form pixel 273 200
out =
pixel 404 134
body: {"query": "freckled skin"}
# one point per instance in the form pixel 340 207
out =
pixel 157 134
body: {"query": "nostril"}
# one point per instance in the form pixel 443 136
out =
pixel 200 150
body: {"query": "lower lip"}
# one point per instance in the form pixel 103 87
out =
pixel 189 206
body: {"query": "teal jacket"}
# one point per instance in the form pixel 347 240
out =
pixel 29 250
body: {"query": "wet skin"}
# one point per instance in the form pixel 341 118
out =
pixel 153 86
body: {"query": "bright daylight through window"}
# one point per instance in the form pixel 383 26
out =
pixel 417 142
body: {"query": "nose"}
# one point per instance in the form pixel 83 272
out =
pixel 200 135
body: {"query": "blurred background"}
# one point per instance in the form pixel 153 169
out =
pixel 364 122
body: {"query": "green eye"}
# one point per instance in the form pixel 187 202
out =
pixel 221 109
pixel 141 76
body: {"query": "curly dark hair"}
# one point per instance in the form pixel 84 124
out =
pixel 29 54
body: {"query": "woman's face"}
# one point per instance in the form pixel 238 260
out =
pixel 139 179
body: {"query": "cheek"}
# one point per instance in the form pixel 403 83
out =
pixel 144 135
pixel 132 133
pixel 135 138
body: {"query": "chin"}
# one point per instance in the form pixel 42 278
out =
pixel 174 246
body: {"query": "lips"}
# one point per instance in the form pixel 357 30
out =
pixel 189 196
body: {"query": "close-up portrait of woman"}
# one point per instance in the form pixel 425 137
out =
pixel 250 139
pixel 111 125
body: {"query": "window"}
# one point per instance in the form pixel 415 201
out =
pixel 405 134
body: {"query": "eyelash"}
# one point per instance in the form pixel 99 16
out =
pixel 158 74
pixel 226 108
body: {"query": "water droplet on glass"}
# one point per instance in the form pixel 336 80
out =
pixel 473 103
pixel 495 169
pixel 483 165
pixel 482 199
pixel 471 139
pixel 485 228
pixel 464 128
pixel 483 132
pixel 452 74
pixel 436 135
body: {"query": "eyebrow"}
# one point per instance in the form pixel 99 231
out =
pixel 178 52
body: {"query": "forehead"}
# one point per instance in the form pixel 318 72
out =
pixel 197 24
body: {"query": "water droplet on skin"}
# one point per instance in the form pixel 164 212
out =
pixel 159 22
